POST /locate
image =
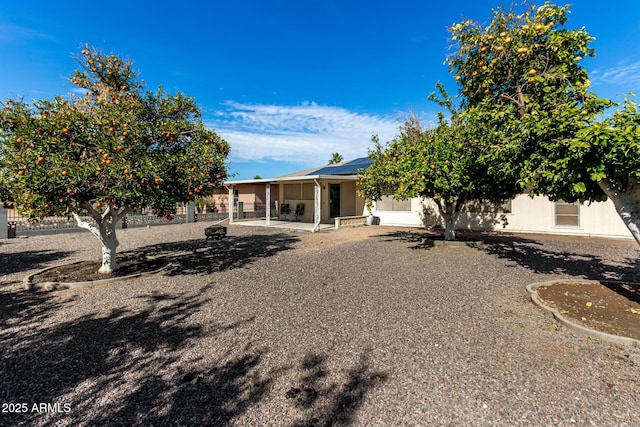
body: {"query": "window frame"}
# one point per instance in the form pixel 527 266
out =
pixel 392 200
pixel 557 215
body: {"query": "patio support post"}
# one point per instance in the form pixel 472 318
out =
pixel 316 206
pixel 268 202
pixel 4 222
pixel 230 203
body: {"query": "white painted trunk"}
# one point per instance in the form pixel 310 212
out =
pixel 105 232
pixel 626 201
pixel 109 243
pixel 449 227
pixel 450 217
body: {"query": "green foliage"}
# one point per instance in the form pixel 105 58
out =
pixel 608 149
pixel 116 145
pixel 451 163
pixel 335 159
pixel 522 75
pixel 521 62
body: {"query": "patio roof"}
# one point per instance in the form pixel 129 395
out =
pixel 291 178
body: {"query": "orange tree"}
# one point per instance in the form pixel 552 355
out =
pixel 115 148
pixel 522 75
pixel 450 164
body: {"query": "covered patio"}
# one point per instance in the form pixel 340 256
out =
pixel 312 199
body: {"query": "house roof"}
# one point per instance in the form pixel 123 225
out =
pixel 345 170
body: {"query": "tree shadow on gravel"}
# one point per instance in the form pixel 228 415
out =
pixel 15 303
pixel 25 307
pixel 200 256
pixel 630 291
pixel 581 261
pixel 419 240
pixel 16 262
pixel 126 368
pixel 215 396
pixel 331 404
pixel 425 239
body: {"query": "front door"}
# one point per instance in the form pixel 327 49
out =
pixel 334 200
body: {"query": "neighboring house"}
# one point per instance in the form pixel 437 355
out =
pixel 329 192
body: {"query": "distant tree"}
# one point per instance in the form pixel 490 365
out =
pixel 107 152
pixel 257 177
pixel 335 159
pixel 522 75
pixel 448 163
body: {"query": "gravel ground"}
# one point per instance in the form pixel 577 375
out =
pixel 366 326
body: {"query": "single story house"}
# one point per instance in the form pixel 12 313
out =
pixel 322 194
pixel 317 196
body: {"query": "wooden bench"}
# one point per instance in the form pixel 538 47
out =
pixel 215 232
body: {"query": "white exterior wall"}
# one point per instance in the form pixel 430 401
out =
pixel 412 218
pixel 537 215
pixel 528 215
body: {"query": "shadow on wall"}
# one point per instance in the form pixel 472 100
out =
pixel 476 215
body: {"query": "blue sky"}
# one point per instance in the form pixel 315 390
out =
pixel 285 82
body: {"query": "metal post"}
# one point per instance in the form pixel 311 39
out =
pixel 316 206
pixel 268 202
pixel 4 223
pixel 230 203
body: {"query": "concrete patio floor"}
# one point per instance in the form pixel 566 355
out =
pixel 291 225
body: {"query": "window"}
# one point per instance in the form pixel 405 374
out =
pixel 308 191
pixel 388 203
pixel 567 214
pixel 303 191
pixel 292 191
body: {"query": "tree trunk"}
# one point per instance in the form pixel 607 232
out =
pixel 105 232
pixel 109 243
pixel 626 201
pixel 449 227
pixel 449 212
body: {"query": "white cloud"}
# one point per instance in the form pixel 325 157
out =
pixel 15 34
pixel 623 74
pixel 302 134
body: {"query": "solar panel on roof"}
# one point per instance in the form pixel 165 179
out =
pixel 347 168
